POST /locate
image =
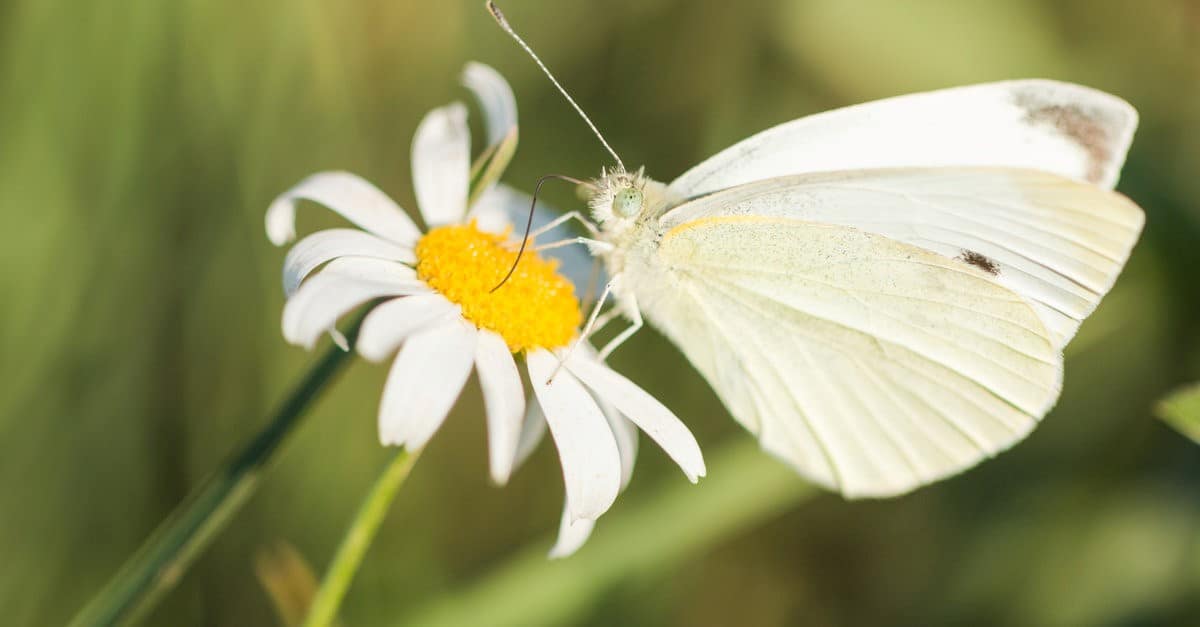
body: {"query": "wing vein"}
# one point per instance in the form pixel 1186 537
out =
pixel 830 459
pixel 877 310
pixel 734 288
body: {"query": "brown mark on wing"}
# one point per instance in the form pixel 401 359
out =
pixel 979 261
pixel 1084 127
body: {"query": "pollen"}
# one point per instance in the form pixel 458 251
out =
pixel 536 307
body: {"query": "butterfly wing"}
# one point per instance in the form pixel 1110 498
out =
pixel 871 363
pixel 1066 129
pixel 1056 242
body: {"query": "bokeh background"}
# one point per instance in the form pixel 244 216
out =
pixel 141 141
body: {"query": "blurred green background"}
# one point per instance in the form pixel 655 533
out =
pixel 141 141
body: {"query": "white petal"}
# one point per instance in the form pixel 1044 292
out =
pixel 590 461
pixel 426 379
pixel 371 269
pixel 342 286
pixel 533 429
pixel 349 195
pixel 495 210
pixel 626 435
pixel 495 98
pixel 504 399
pixel 389 324
pixel 624 431
pixel 644 410
pixel 309 253
pixel 339 339
pixel 441 160
pixel 571 535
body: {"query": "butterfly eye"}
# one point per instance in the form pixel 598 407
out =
pixel 628 202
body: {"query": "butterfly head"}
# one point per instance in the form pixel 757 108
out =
pixel 618 195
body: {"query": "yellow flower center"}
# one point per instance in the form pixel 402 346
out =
pixel 535 308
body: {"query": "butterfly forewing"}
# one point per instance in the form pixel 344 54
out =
pixel 1070 130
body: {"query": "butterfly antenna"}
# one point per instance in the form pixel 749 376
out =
pixel 503 22
pixel 529 222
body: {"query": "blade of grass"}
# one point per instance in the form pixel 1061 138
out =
pixel 357 540
pixel 745 487
pixel 490 165
pixel 1181 410
pixel 288 580
pixel 166 555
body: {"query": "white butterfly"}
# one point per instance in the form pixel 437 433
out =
pixel 882 293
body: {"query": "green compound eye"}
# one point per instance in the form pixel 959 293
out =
pixel 628 202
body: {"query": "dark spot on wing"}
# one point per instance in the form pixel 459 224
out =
pixel 979 261
pixel 1083 126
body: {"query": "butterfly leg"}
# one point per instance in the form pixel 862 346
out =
pixel 587 328
pixel 593 244
pixel 636 323
pixel 570 215
pixel 606 318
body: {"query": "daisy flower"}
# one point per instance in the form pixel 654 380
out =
pixel 438 319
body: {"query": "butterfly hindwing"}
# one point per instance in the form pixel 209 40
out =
pixel 1058 243
pixel 871 365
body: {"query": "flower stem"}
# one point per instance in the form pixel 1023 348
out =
pixel 170 550
pixel 358 539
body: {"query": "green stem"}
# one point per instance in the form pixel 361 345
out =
pixel 358 539
pixel 169 551
pixel 745 488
